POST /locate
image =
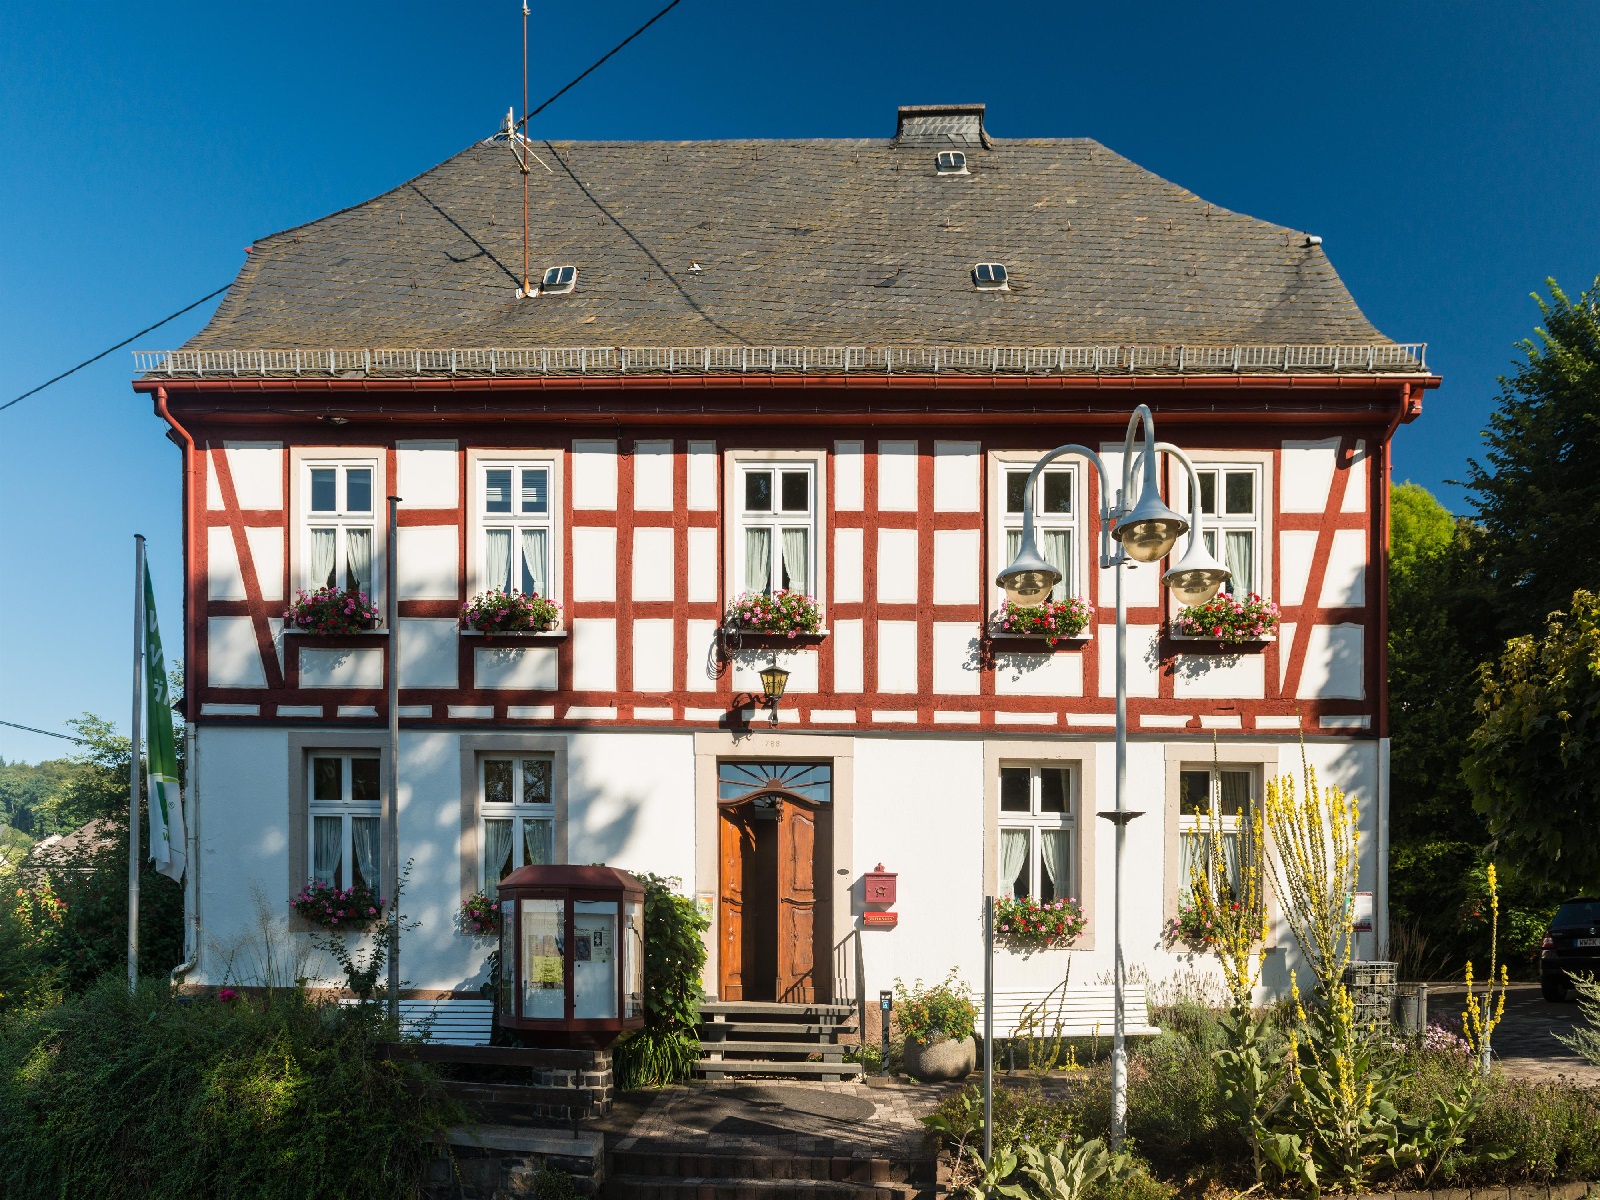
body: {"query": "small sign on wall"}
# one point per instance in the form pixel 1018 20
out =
pixel 1361 913
pixel 879 920
pixel 704 904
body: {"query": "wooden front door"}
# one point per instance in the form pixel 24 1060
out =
pixel 772 901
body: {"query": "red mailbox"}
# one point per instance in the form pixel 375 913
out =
pixel 879 885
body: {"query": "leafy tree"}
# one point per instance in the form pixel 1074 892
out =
pixel 1534 761
pixel 1538 495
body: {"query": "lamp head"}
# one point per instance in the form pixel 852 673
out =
pixel 773 680
pixel 1029 579
pixel 1196 576
pixel 1149 532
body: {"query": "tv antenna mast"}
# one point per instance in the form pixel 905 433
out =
pixel 517 138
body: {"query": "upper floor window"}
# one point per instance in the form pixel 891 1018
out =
pixel 951 162
pixel 1230 507
pixel 1055 519
pixel 338 507
pixel 515 521
pixel 516 814
pixel 1229 793
pixel 777 527
pixel 990 276
pixel 1038 828
pixel 559 280
pixel 344 819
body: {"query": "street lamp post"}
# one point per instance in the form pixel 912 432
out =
pixel 1145 531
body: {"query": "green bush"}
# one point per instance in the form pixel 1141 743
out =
pixel 930 1014
pixel 1021 1115
pixel 143 1096
pixel 667 1048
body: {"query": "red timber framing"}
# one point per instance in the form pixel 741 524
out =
pixel 773 414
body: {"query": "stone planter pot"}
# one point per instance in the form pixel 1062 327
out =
pixel 942 1060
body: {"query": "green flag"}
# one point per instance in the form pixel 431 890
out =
pixel 161 758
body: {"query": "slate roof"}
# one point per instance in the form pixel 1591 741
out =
pixel 801 243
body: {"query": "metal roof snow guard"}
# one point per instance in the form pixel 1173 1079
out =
pixel 941 125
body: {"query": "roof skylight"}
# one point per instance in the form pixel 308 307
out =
pixel 990 277
pixel 951 162
pixel 558 281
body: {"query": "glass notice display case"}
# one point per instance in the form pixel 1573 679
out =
pixel 571 955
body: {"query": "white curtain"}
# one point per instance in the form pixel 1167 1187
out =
pixel 1058 553
pixel 797 559
pixel 322 552
pixel 358 558
pixel 757 560
pixel 537 843
pixel 1056 847
pixel 1230 860
pixel 497 559
pixel 1013 858
pixel 534 578
pixel 1193 849
pixel 1241 560
pixel 496 851
pixel 326 833
pixel 364 841
pixel 1235 793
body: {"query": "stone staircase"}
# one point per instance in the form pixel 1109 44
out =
pixel 645 1174
pixel 744 1038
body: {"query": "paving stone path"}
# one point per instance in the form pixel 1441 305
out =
pixel 1524 1044
pixel 877 1118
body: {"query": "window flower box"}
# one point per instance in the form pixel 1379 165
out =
pixel 773 621
pixel 1026 924
pixel 1056 624
pixel 329 907
pixel 1192 927
pixel 330 612
pixel 1226 624
pixel 498 612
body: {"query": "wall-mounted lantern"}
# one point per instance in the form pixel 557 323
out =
pixel 773 680
pixel 571 955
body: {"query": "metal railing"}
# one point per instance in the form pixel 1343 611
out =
pixel 703 360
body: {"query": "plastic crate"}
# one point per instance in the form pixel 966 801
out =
pixel 1371 987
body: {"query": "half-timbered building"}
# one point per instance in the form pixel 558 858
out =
pixel 820 364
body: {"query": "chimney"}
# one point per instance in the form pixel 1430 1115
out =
pixel 958 126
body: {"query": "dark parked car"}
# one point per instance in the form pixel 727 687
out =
pixel 1572 945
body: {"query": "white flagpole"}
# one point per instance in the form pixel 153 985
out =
pixel 133 762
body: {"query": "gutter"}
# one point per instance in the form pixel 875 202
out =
pixel 191 731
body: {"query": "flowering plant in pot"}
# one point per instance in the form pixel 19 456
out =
pixel 783 613
pixel 330 610
pixel 939 1024
pixel 496 611
pixel 1028 924
pixel 1232 619
pixel 1052 620
pixel 480 915
pixel 331 907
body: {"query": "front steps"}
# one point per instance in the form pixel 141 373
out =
pixel 752 1039
pixel 668 1175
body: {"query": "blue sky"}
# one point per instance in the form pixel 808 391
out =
pixel 1445 152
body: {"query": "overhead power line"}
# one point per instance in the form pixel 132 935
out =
pixel 65 737
pixel 595 66
pixel 599 62
pixel 118 346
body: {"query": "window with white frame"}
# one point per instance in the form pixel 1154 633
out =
pixel 1230 507
pixel 343 808
pixel 1230 793
pixel 1038 832
pixel 1055 519
pixel 338 507
pixel 516 815
pixel 777 506
pixel 516 536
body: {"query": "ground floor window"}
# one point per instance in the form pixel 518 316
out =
pixel 516 815
pixel 1038 829
pixel 1228 793
pixel 344 794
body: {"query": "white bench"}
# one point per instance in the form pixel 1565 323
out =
pixel 1068 1012
pixel 448 1022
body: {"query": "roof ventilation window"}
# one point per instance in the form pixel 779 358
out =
pixel 951 162
pixel 990 277
pixel 558 281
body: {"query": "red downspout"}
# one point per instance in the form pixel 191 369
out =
pixel 188 551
